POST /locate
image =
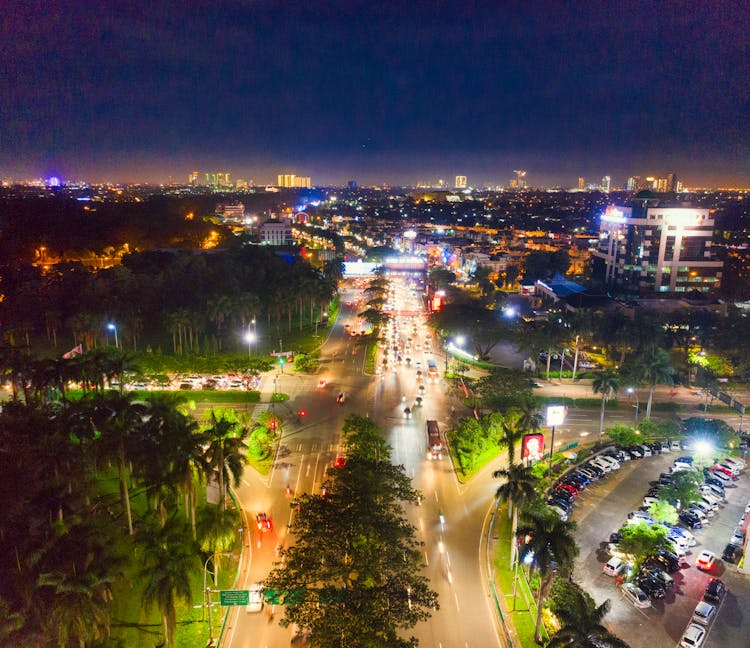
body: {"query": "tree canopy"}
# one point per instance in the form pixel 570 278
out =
pixel 353 574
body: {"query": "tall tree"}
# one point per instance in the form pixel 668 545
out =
pixel 226 452
pixel 581 619
pixel 551 543
pixel 654 368
pixel 605 383
pixel 168 559
pixel 519 487
pixel 353 573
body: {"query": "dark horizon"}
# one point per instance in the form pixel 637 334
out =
pixel 397 93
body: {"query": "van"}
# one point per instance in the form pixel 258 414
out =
pixel 614 567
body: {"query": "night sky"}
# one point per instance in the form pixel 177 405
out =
pixel 376 91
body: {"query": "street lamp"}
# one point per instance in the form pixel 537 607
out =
pixel 250 338
pixel 631 391
pixel 113 327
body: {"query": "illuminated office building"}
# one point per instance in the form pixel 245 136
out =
pixel 290 180
pixel 650 245
pixel 581 183
pixel 460 182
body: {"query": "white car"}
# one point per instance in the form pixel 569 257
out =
pixel 255 601
pixel 704 613
pixel 563 515
pixel 693 637
pixel 645 450
pixel 610 460
pixel 706 560
pixel 600 463
pixel 635 595
pixel 678 550
pixel 648 500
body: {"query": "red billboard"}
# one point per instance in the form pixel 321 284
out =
pixel 532 447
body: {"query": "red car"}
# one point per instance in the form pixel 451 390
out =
pixel 263 522
pixel 567 487
pixel 726 471
pixel 340 462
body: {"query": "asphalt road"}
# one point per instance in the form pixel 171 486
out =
pixel 308 446
pixel 602 509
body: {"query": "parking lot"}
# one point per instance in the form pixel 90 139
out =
pixel 603 507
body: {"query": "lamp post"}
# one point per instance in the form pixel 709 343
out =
pixel 207 602
pixel 250 338
pixel 555 417
pixel 113 327
pixel 631 391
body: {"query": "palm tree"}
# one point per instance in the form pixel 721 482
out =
pixel 510 436
pixel 553 546
pixel 605 383
pixel 655 368
pixel 519 488
pixel 169 558
pixel 582 624
pixel 217 530
pixel 529 419
pixel 226 453
pixel 118 419
pixel 183 444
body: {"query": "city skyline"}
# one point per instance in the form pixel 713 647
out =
pixel 390 93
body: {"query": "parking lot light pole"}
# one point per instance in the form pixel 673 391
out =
pixel 631 391
pixel 113 327
pixel 555 417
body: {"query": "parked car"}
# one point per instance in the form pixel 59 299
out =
pixel 704 613
pixel 732 554
pixel 690 520
pixel 715 591
pixel 661 562
pixel 598 471
pixel 561 493
pixel 651 586
pixel 684 534
pixel 563 515
pixel 635 595
pixel 657 572
pixel 614 566
pixel 641 516
pixel 588 473
pixel 693 636
pixel 645 450
pixel 649 500
pixel 738 537
pixel 566 506
pixel 601 464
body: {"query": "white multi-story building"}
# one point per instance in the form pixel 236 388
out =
pixel 276 232
pixel 654 246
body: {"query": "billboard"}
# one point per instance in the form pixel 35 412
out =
pixel 556 415
pixel 532 447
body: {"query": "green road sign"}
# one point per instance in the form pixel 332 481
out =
pixel 234 597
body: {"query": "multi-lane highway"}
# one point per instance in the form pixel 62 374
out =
pixel 310 444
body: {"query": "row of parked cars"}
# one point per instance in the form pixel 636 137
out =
pixel 564 492
pixel 654 578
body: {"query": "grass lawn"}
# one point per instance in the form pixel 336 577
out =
pixel 263 466
pixel 524 617
pixel 480 462
pixel 133 626
pixel 370 355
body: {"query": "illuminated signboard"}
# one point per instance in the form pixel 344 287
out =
pixel 533 447
pixel 614 215
pixel 556 415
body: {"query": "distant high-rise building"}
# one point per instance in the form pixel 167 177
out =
pixel 352 184
pixel 513 183
pixel 240 184
pixel 520 179
pixel 633 182
pixel 218 179
pixel 661 185
pixel 672 182
pixel 288 180
pixel 581 183
pixel 460 182
pixel 606 184
pixel 193 179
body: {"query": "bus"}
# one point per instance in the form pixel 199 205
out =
pixel 432 370
pixel 434 444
